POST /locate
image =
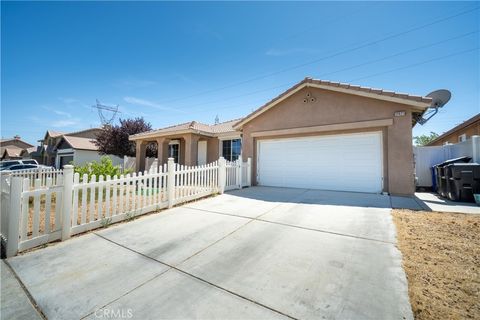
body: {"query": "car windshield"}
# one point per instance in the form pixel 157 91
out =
pixel 29 161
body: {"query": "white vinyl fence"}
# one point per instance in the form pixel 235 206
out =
pixel 427 157
pixel 55 211
pixel 33 174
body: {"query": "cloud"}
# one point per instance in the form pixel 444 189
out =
pixel 147 103
pixel 65 123
pixel 58 112
pixel 68 100
pixel 286 52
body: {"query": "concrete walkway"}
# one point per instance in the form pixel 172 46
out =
pixel 14 302
pixel 256 253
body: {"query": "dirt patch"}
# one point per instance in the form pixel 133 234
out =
pixel 441 256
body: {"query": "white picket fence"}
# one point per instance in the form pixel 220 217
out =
pixel 33 174
pixel 51 212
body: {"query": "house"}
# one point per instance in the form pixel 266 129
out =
pixel 14 148
pixel 460 133
pixel 317 134
pixel 78 150
pixel 49 142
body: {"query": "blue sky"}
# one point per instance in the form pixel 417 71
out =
pixel 176 62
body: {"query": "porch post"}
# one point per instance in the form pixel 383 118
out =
pixel 162 153
pixel 191 149
pixel 140 153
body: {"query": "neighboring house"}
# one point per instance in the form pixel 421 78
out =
pixel 460 133
pixel 317 134
pixel 52 138
pixel 78 150
pixel 14 148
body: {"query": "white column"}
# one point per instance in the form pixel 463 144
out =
pixel 476 148
pixel 222 174
pixel 67 201
pixel 239 172
pixel 171 182
pixel 14 213
pixel 249 171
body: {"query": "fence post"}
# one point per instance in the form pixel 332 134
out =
pixel 239 171
pixel 14 214
pixel 476 148
pixel 222 174
pixel 171 182
pixel 249 171
pixel 67 201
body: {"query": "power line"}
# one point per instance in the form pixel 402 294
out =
pixel 340 70
pixel 416 64
pixel 373 75
pixel 356 48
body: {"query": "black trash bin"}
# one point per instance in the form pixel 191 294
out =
pixel 463 181
pixel 441 174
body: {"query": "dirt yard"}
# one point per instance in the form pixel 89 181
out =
pixel 441 256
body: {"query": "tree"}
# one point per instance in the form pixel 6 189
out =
pixel 114 139
pixel 425 139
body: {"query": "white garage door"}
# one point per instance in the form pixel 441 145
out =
pixel 348 162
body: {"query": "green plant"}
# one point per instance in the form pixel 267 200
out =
pixel 130 215
pixel 425 139
pixel 105 222
pixel 104 167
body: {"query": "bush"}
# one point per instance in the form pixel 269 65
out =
pixel 104 167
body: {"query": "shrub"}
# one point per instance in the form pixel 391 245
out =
pixel 104 167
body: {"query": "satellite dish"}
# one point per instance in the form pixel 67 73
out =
pixel 439 99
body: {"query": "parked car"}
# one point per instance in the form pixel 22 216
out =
pixel 6 165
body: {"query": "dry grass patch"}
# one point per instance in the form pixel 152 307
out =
pixel 441 256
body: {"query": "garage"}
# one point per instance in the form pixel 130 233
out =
pixel 345 162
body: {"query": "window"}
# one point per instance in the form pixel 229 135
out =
pixel 173 151
pixel 231 149
pixel 462 137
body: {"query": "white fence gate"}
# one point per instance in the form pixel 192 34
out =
pixel 426 157
pixel 55 211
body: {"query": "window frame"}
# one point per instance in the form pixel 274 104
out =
pixel 230 139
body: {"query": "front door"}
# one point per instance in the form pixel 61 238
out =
pixel 202 153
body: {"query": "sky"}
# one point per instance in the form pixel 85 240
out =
pixel 173 62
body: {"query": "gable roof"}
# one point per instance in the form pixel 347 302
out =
pixel 11 151
pixel 79 143
pixel 462 125
pixel 14 141
pixel 55 134
pixel 419 102
pixel 189 127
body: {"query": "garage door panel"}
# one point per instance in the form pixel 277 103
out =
pixel 343 162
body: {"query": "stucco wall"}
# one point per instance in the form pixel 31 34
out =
pixel 336 108
pixel 83 156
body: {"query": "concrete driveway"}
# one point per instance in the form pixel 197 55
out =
pixel 256 253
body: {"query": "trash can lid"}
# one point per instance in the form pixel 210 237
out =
pixel 455 160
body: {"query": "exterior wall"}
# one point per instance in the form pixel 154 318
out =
pixel 80 157
pixel 471 130
pixel 212 149
pixel 337 108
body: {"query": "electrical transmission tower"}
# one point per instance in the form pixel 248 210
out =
pixel 106 113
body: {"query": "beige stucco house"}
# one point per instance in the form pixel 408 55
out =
pixel 459 133
pixel 317 134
